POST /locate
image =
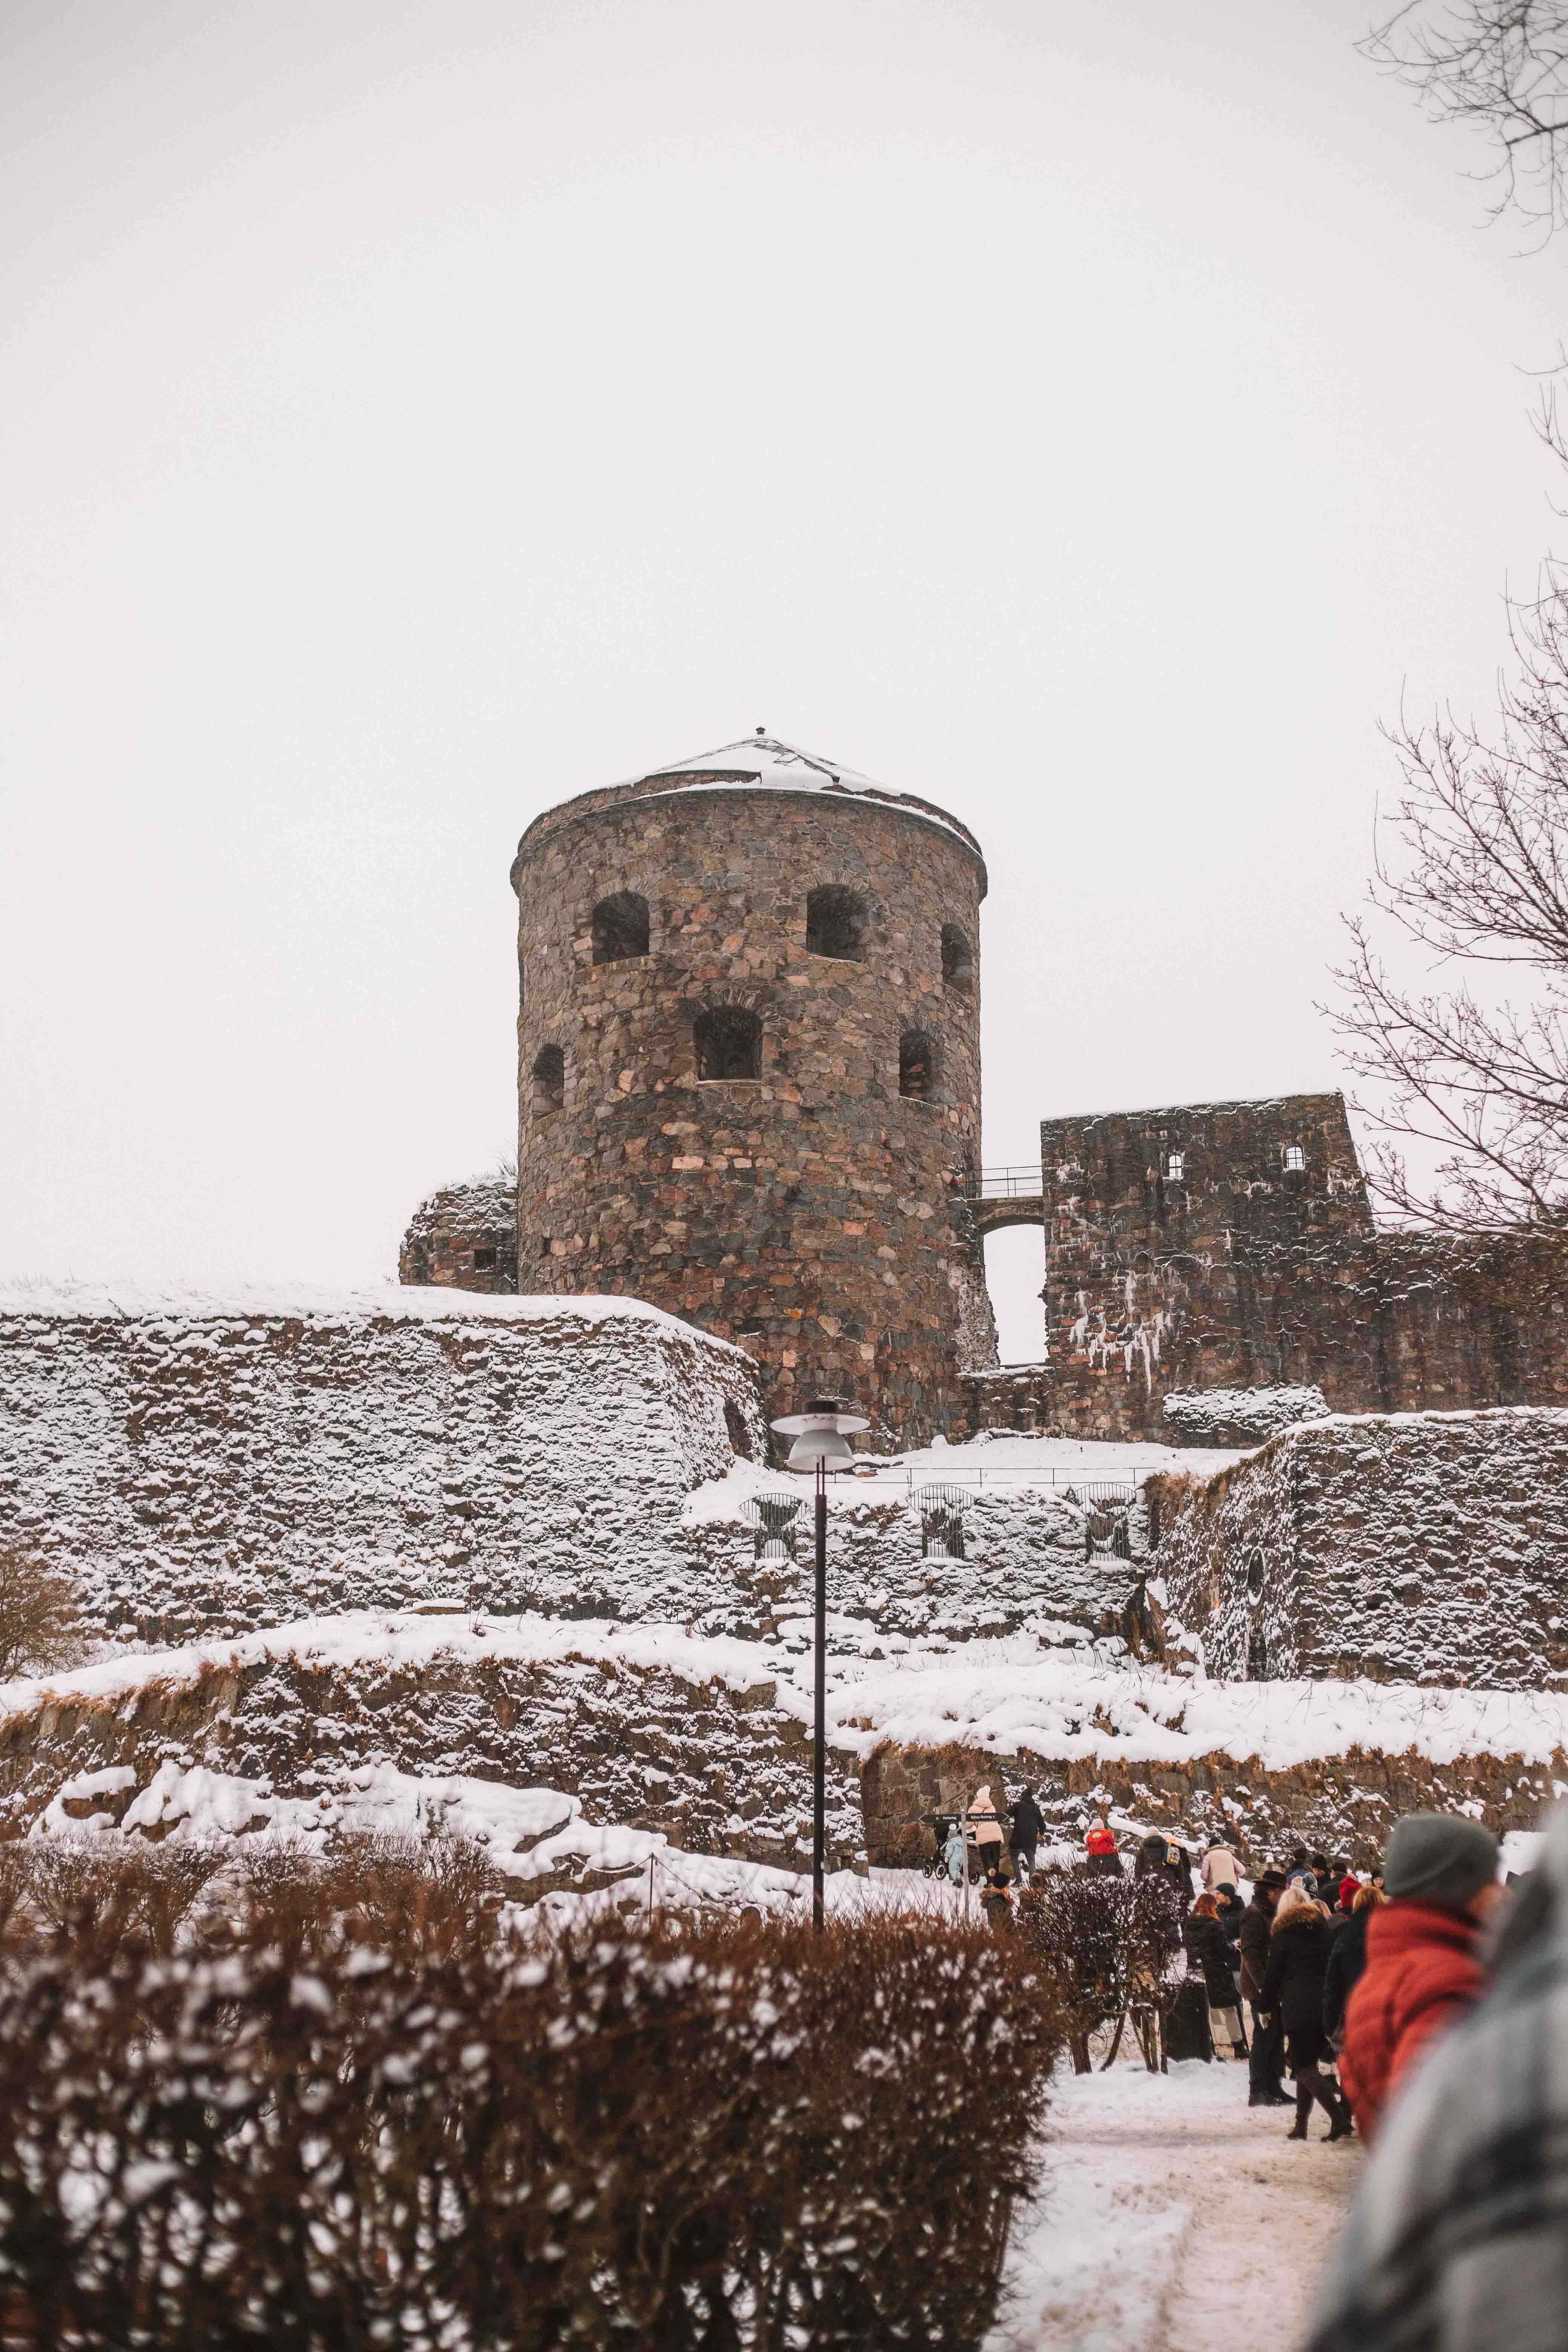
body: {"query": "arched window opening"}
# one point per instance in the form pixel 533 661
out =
pixel 1255 1572
pixel 917 1067
pixel 835 924
pixel 1175 1162
pixel 548 1079
pixel 620 928
pixel 1295 1159
pixel 957 960
pixel 728 1042
pixel 941 1521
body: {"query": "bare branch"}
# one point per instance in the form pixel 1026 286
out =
pixel 1471 871
pixel 1502 67
pixel 38 1624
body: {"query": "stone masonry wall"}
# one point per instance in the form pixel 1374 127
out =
pixel 1347 1804
pixel 211 1466
pixel 813 1214
pixel 710 1761
pixel 464 1238
pixel 1245 1273
pixel 1428 1548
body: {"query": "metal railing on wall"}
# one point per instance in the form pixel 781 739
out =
pixel 1008 1183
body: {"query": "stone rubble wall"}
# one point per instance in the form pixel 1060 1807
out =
pixel 206 1472
pixel 1426 1548
pixel 202 1470
pixel 1025 1557
pixel 1345 1804
pixel 464 1237
pixel 711 1763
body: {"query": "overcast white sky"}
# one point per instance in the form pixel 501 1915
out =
pixel 1093 417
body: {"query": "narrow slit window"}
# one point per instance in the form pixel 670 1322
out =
pixel 548 1079
pixel 729 1044
pixel 620 928
pixel 835 924
pixel 957 960
pixel 917 1067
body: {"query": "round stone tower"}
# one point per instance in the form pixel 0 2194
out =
pixel 749 1070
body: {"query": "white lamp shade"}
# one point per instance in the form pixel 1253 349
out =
pixel 814 1445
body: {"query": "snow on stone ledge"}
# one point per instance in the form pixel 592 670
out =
pixel 111 1301
pixel 1006 1694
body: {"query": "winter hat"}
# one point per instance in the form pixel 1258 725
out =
pixel 1438 1858
pixel 1275 1879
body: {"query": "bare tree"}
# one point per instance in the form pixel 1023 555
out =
pixel 1479 879
pixel 1502 67
pixel 38 1623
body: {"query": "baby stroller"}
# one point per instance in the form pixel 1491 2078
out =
pixel 935 1864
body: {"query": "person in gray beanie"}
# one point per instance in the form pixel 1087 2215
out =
pixel 1423 1971
pixel 1438 1858
pixel 1458 2235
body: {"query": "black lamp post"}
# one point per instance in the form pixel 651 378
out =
pixel 821 1435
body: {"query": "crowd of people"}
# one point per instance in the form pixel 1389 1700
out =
pixel 1423 2005
pixel 1344 1975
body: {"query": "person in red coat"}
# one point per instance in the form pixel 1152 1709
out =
pixel 1100 1847
pixel 1422 1971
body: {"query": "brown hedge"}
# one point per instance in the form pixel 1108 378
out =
pixel 345 2110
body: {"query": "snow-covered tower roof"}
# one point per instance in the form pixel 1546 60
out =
pixel 764 762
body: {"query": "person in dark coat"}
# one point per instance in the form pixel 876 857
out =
pixel 1230 1911
pixel 1159 1852
pixel 1347 1960
pixel 1267 2057
pixel 1204 1941
pixel 1299 1942
pixel 1029 1827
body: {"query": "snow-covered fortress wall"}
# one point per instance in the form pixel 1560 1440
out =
pixel 215 1463
pixel 206 1465
pixel 1427 1547
pixel 1231 1245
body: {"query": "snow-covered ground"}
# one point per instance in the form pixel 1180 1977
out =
pixel 1175 2218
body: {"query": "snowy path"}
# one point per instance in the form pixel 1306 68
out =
pixel 1175 2218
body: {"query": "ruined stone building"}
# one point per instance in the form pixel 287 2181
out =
pixel 748 1092
pixel 1231 1246
pixel 749 1069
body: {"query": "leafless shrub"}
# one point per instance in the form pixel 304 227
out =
pixel 312 2125
pixel 39 1628
pixel 1107 1943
